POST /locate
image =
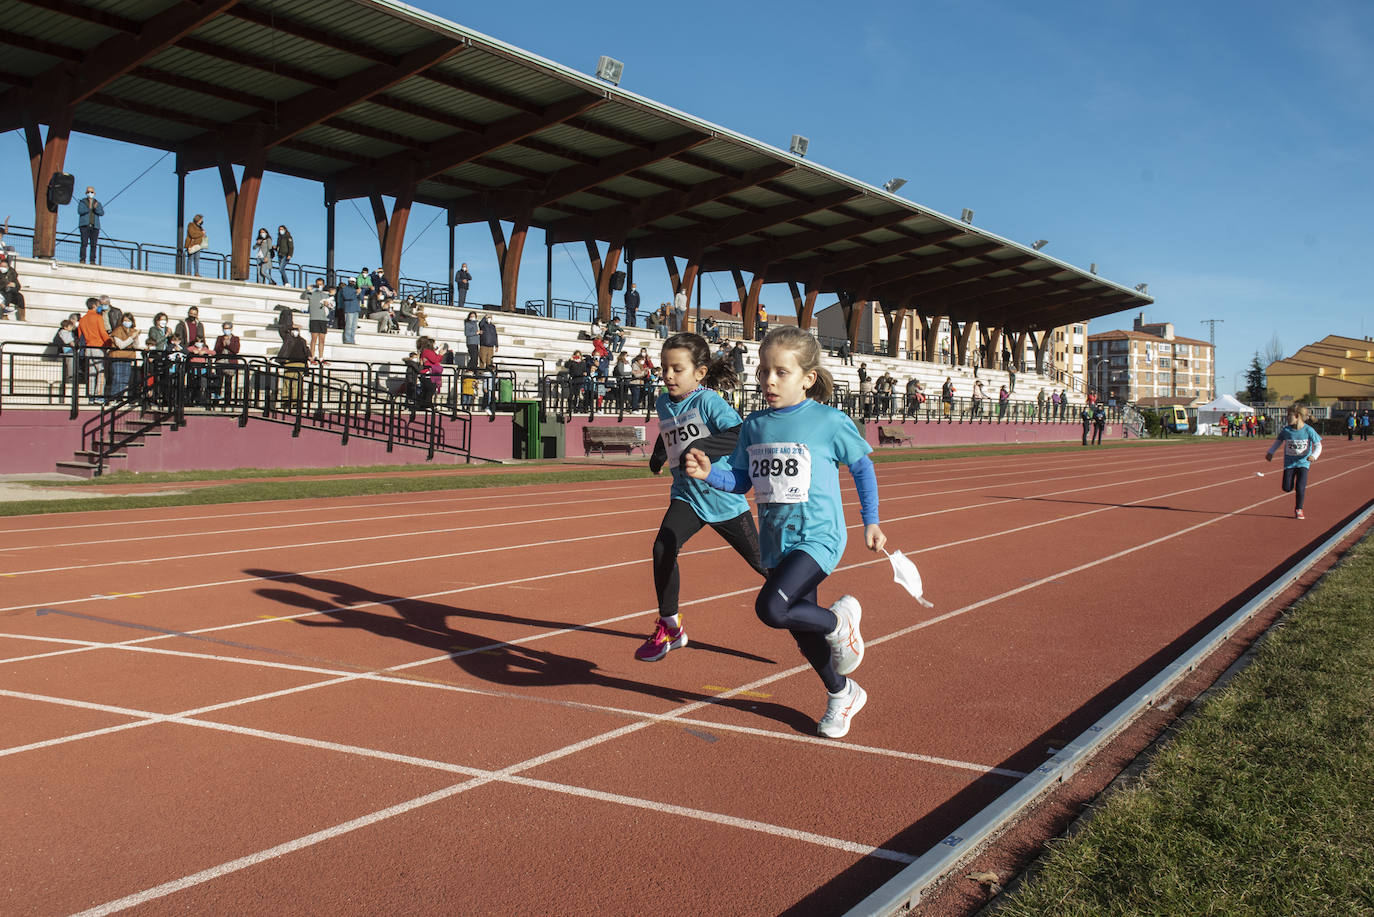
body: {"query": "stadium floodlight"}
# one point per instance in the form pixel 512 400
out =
pixel 967 215
pixel 610 69
pixel 799 145
pixel 1092 268
pixel 1039 244
pixel 892 184
pixel 1141 287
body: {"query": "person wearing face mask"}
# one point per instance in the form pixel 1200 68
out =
pixel 191 329
pixel 113 314
pixel 157 335
pixel 11 299
pixel 319 303
pixel 196 240
pixel 123 352
pixel 262 254
pixel 284 250
pixel 88 214
pixel 472 336
pixel 226 356
pixel 463 279
pixel 64 346
pixel 92 336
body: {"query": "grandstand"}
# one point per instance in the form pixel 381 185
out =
pixel 531 352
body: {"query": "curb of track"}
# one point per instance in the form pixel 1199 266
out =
pixel 905 890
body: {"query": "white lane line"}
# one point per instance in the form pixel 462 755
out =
pixel 655 494
pixel 466 495
pixel 317 837
pixel 400 599
pixel 464 529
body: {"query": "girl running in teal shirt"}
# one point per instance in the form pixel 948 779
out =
pixel 790 455
pixel 693 416
pixel 1301 447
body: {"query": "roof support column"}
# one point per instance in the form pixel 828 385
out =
pixel 992 348
pixel 805 304
pixel 602 269
pixel 1018 350
pixel 852 305
pixel 508 254
pixel 46 160
pixel 180 242
pixel 391 233
pixel 241 200
pixel 686 282
pixel 1042 344
pixel 895 319
pixel 749 299
pixel 329 225
pixel 452 254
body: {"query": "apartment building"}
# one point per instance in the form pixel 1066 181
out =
pixel 1150 365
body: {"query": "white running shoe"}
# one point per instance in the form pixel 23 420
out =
pixel 841 709
pixel 846 644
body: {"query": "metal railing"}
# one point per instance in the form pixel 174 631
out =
pixel 165 259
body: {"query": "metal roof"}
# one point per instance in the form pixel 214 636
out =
pixel 489 130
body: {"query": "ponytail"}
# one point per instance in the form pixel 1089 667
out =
pixel 823 387
pixel 721 376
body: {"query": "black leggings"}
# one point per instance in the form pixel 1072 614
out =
pixel 680 523
pixel 1295 478
pixel 788 600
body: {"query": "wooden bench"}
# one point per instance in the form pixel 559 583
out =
pixel 601 438
pixel 892 436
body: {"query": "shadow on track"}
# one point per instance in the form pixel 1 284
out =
pixel 426 624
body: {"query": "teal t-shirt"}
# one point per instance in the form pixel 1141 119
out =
pixel 682 423
pixel 792 457
pixel 1298 445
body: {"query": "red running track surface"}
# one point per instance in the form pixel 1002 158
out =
pixel 427 703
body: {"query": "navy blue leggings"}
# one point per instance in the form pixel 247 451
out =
pixel 1295 479
pixel 788 601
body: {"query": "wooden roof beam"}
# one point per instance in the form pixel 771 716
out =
pixel 912 266
pixel 659 244
pixel 451 152
pixel 776 249
pixel 328 38
pixel 310 108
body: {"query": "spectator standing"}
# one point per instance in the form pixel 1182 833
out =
pixel 158 334
pixel 947 398
pixel 1085 417
pixel 319 303
pixel 262 254
pixel 226 356
pixel 284 251
pixel 1003 396
pixel 88 214
pixel 433 370
pixel 462 279
pixel 1364 425
pixel 196 240
pixel 680 310
pixel 112 313
pixel 64 347
pixel 472 337
pixel 865 390
pixel 350 307
pixel 488 342
pixel 1350 427
pixel 579 382
pixel 639 377
pixel 1040 405
pixel 1011 376
pixel 631 304
pixel 761 326
pixel 915 395
pixel 1063 404
pixel 845 353
pixel 191 329
pixel 123 351
pixel 294 357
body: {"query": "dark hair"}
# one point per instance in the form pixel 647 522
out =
pixel 720 375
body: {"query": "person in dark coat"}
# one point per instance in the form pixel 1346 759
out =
pixel 284 250
pixel 631 305
pixel 462 279
pixel 88 214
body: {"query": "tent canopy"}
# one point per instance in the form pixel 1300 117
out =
pixel 1225 404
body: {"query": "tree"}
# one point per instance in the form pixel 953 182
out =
pixel 1255 389
pixel 1273 351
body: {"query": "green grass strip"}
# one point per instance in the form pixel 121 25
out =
pixel 1264 802
pixel 252 491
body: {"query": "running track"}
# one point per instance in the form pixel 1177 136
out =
pixel 427 703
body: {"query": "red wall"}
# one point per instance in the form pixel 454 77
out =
pixel 34 441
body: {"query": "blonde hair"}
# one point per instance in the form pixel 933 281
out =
pixel 807 350
pixel 1299 411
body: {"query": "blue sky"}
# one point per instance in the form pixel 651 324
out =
pixel 1219 151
